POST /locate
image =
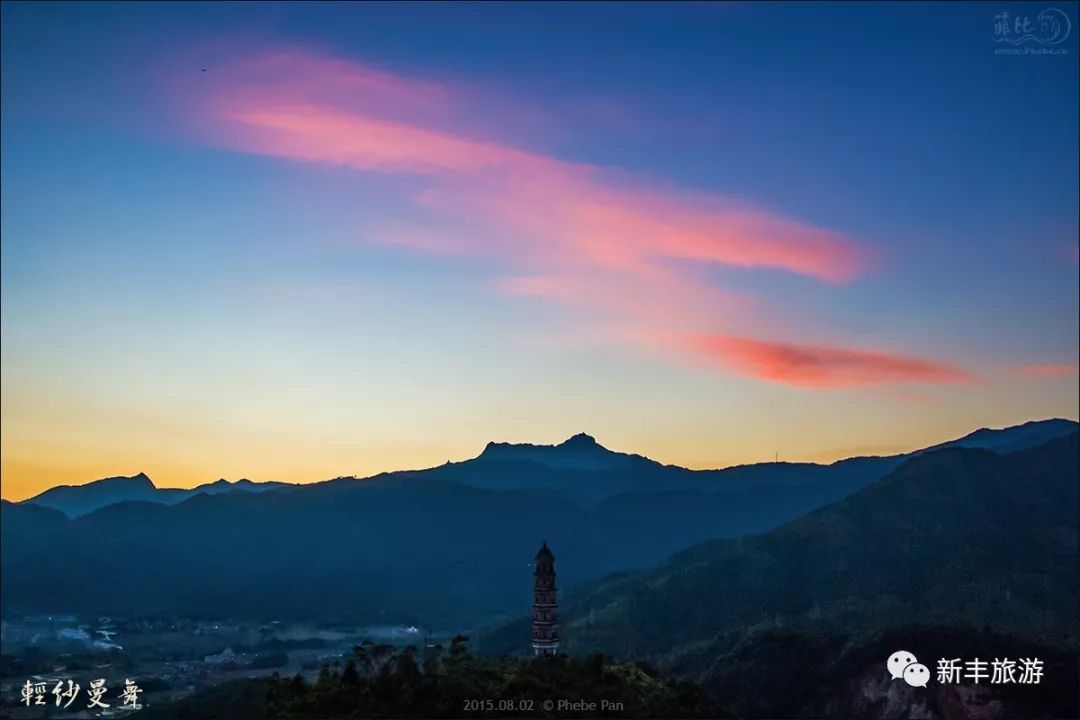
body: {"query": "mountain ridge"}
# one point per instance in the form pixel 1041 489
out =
pixel 580 451
pixel 440 523
pixel 78 500
pixel 952 533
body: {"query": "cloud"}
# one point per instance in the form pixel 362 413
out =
pixel 535 198
pixel 817 366
pixel 1049 370
pixel 311 108
pixel 632 254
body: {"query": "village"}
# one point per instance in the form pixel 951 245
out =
pixel 46 656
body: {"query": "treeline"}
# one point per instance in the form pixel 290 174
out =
pixel 438 681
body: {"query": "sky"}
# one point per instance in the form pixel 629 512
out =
pixel 299 241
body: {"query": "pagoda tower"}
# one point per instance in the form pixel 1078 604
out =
pixel 545 626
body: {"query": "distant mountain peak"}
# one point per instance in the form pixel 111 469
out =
pixel 138 480
pixel 1016 437
pixel 76 500
pixel 581 440
pixel 222 485
pixel 580 452
pixel 81 499
pixel 223 481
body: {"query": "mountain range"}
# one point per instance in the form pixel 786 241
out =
pixel 580 452
pixel 959 552
pixel 447 547
pixel 954 532
pixel 76 500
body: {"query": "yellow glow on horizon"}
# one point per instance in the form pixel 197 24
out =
pixel 73 425
pixel 31 468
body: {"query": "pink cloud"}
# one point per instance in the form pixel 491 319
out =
pixel 634 256
pixel 817 366
pixel 523 191
pixel 316 109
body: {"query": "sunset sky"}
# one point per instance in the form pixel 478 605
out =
pixel 292 242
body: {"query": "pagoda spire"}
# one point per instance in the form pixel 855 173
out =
pixel 545 626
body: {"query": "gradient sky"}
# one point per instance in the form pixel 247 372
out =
pixel 291 242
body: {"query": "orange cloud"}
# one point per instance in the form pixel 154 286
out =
pixel 817 366
pixel 636 257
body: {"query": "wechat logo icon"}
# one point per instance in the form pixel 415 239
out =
pixel 903 664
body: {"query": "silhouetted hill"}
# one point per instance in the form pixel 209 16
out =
pixel 446 547
pixel 585 468
pixel 31 522
pixel 1013 438
pixel 956 537
pixel 580 452
pixel 76 500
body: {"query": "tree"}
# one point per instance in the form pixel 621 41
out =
pixel 350 678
